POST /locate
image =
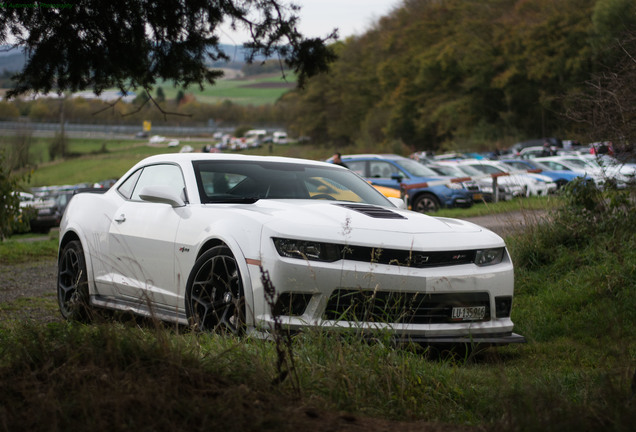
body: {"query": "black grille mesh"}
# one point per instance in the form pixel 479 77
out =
pixel 400 308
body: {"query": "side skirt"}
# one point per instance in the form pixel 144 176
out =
pixel 140 307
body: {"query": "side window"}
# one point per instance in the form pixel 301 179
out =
pixel 127 187
pixel 160 175
pixel 357 167
pixel 379 169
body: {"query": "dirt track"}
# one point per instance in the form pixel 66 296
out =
pixel 509 223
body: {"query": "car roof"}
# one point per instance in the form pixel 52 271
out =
pixel 374 156
pixel 189 157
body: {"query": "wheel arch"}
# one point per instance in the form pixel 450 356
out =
pixel 69 236
pixel 239 256
pixel 209 244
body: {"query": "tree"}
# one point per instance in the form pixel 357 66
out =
pixel 161 96
pixel 131 44
pixel 606 106
pixel 466 73
pixel 179 97
pixel 9 200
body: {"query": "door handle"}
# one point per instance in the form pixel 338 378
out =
pixel 121 218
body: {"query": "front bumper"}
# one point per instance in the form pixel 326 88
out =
pixel 316 283
pixel 494 339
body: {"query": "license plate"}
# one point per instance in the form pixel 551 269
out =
pixel 473 313
pixel 477 197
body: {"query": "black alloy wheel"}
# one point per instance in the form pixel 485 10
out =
pixel 72 283
pixel 214 294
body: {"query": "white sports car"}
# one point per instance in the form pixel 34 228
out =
pixel 240 243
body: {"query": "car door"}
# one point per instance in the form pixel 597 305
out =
pixel 358 166
pixel 142 239
pixel 380 173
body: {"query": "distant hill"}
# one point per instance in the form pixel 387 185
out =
pixel 13 60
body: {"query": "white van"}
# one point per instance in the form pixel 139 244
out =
pixel 279 137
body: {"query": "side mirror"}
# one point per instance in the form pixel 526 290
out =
pixel 161 194
pixel 399 203
pixel 397 177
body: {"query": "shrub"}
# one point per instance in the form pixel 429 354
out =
pixel 586 215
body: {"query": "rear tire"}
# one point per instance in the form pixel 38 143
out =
pixel 72 283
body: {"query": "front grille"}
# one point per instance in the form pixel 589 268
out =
pixel 471 186
pixel 408 258
pixel 398 307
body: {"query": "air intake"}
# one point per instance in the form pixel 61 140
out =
pixel 373 211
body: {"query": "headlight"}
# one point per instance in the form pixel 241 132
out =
pixel 307 250
pixel 486 257
pixel 455 186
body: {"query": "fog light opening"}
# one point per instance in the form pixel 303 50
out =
pixel 291 304
pixel 503 305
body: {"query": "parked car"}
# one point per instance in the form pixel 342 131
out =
pixel 577 165
pixel 559 177
pixel 47 214
pixel 50 208
pixel 516 148
pixel 622 171
pixel 243 243
pixel 399 172
pixel 280 137
pixel 532 184
pixel 485 185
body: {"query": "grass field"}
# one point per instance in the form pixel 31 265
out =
pixel 257 90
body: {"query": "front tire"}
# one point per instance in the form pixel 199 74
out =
pixel 72 283
pixel 426 203
pixel 214 298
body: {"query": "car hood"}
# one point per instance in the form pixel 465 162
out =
pixel 360 224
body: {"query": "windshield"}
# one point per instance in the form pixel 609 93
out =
pixel 518 165
pixel 579 163
pixel 540 165
pixel 448 171
pixel 250 181
pixel 468 170
pixel 487 169
pixel 415 168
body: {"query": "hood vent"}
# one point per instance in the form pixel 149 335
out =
pixel 373 211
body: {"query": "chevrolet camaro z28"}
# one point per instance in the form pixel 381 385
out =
pixel 198 238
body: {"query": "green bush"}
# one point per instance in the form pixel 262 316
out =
pixel 587 215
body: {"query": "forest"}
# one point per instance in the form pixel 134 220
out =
pixel 470 73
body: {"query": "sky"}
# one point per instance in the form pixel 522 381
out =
pixel 319 17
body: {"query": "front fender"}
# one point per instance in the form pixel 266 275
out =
pixel 244 244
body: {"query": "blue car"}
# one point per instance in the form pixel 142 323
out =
pixel 559 177
pixel 394 171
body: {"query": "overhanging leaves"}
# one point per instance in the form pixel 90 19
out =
pixel 98 45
